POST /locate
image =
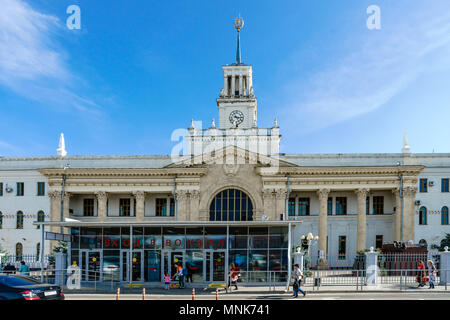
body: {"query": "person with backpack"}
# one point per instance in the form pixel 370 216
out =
pixel 297 277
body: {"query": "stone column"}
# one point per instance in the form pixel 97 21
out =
pixel 66 204
pixel 55 214
pixel 361 195
pixel 233 84
pixel 101 201
pixel 241 91
pixel 280 195
pixel 55 208
pixel 398 215
pixel 140 205
pixel 225 85
pixel 323 203
pixel 269 209
pixel 409 197
pixel 182 197
pixel 195 203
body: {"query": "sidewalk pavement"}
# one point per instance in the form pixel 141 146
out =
pixel 202 290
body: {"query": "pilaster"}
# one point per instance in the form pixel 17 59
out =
pixel 361 195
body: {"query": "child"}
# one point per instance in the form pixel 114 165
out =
pixel 167 281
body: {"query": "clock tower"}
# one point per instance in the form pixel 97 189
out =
pixel 237 103
pixel 237 115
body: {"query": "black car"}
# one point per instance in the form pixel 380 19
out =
pixel 16 287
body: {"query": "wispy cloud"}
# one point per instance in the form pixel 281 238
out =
pixel 32 62
pixel 372 74
pixel 8 147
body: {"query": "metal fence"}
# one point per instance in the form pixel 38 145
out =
pixel 32 261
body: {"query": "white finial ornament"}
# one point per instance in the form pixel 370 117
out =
pixel 61 151
pixel 275 123
pixel 406 148
pixel 192 124
pixel 213 124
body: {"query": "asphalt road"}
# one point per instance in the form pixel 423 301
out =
pixel 315 296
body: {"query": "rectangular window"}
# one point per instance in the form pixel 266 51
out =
pixel 172 207
pixel 1 189
pixel 423 185
pixel 303 206
pixel 341 205
pixel 367 205
pixel 378 205
pixel 342 245
pixel 20 189
pixel 161 207
pixel 330 206
pixel 291 207
pixel 125 205
pixel 378 241
pixel 444 185
pixel 41 188
pixel 88 207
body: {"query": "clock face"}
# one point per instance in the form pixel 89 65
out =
pixel 236 117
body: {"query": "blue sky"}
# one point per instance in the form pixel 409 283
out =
pixel 137 70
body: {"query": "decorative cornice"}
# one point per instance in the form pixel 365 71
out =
pixel 340 171
pixel 123 172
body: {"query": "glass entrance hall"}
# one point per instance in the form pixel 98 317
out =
pixel 146 253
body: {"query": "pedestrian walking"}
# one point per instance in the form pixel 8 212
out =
pixel 421 274
pixel 233 276
pixel 431 274
pixel 24 270
pixel 297 277
pixel 188 273
pixel 184 275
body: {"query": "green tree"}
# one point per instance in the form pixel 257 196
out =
pixel 445 242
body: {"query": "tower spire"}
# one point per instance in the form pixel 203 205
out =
pixel 238 24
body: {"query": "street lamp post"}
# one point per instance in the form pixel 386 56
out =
pixel 308 239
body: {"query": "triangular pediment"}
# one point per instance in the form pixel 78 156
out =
pixel 229 155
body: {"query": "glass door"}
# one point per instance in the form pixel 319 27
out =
pixel 215 265
pixel 194 264
pixel 137 265
pixel 91 265
pixel 170 261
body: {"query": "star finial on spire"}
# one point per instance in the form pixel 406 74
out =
pixel 238 24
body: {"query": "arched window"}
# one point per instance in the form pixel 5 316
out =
pixel 231 205
pixel 1 220
pixel 19 224
pixel 40 217
pixel 19 251
pixel 444 215
pixel 423 216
